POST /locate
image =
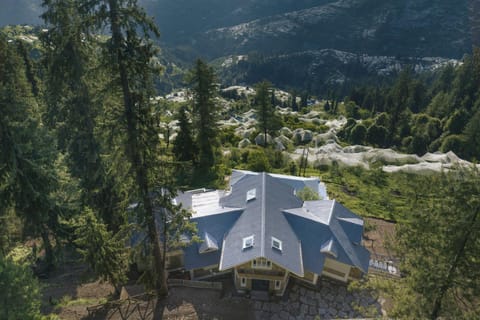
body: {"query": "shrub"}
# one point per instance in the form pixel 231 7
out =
pixel 258 161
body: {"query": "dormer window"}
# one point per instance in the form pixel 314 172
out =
pixel 251 194
pixel 276 244
pixel 248 242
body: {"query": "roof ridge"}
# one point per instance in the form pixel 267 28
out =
pixel 331 212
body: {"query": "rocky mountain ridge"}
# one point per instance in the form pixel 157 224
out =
pixel 305 44
pixel 399 28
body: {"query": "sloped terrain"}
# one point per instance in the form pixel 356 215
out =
pixel 400 28
pixel 320 70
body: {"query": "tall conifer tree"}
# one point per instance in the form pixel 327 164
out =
pixel 203 81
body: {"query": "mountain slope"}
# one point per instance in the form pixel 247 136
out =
pixel 395 27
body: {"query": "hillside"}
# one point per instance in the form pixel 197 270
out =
pixel 321 71
pixel 399 28
pixel 305 44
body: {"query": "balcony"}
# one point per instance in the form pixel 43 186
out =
pixel 261 273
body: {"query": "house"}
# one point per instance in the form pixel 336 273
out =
pixel 263 234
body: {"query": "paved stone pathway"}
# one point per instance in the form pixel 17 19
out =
pixel 330 300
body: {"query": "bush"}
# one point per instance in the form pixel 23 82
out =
pixel 276 158
pixel 258 161
pixel 377 135
pixel 308 194
pixel 358 133
pixel 455 143
pixel 20 293
pixel 457 122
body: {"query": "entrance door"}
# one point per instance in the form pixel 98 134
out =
pixel 260 285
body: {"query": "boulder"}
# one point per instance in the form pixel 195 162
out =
pixel 286 132
pixel 307 136
pixel 244 143
pixel 260 139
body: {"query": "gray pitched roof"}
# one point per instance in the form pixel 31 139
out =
pixel 216 226
pixel 333 222
pixel 264 206
pixel 262 219
pixel 297 183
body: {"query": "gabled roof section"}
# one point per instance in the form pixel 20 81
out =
pixel 238 175
pixel 263 219
pixel 330 247
pixel 217 226
pixel 351 224
pixel 209 243
pixel 297 183
pixel 333 226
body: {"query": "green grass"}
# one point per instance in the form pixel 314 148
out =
pixel 369 193
pixel 67 301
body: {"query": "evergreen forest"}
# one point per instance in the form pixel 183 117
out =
pixel 90 159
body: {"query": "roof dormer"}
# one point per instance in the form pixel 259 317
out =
pixel 251 194
pixel 209 244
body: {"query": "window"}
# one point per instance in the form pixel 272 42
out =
pixel 251 194
pixel 276 244
pixel 278 284
pixel 261 263
pixel 248 242
pixel 243 282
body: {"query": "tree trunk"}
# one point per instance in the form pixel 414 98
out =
pixel 135 154
pixel 48 249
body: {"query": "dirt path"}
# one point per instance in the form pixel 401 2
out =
pixel 71 289
pixel 375 240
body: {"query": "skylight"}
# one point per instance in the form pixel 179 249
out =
pixel 248 242
pixel 251 194
pixel 276 244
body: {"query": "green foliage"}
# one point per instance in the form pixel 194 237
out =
pixel 28 154
pixel 455 143
pixel 184 148
pixel 228 138
pixel 457 121
pixel 73 97
pixel 308 194
pixel 377 135
pixel 202 79
pixel 438 246
pixel 421 114
pixel 472 133
pixel 268 120
pixel 358 134
pixel 20 294
pixel 102 250
pixel 258 161
pixel 352 110
pixel 369 193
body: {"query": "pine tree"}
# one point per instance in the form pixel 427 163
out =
pixel 102 250
pixel 184 148
pixel 72 75
pixel 439 248
pixel 265 110
pixel 27 156
pixel 20 294
pixel 130 54
pixel 203 81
